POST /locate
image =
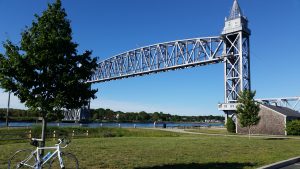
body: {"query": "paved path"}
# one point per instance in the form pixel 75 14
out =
pixel 294 166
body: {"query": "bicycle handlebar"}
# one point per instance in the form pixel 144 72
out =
pixel 60 141
pixel 63 141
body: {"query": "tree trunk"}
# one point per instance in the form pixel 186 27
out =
pixel 7 111
pixel 43 136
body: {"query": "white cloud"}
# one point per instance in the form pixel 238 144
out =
pixel 14 101
pixel 104 103
pixel 116 105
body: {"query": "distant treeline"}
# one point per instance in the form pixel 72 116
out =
pixel 108 115
pixel 26 115
pixel 18 115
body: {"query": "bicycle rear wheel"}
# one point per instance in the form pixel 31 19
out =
pixel 21 159
pixel 69 161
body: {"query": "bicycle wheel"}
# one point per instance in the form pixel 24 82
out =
pixel 22 159
pixel 69 161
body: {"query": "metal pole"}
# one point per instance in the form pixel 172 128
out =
pixel 7 111
pixel 89 104
pixel 43 136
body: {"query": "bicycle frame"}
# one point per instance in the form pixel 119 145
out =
pixel 39 163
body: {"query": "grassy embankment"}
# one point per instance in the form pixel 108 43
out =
pixel 149 149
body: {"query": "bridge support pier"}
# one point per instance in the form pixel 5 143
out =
pixel 237 67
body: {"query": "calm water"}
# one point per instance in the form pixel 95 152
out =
pixel 94 125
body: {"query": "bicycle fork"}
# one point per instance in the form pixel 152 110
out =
pixel 60 160
pixel 38 165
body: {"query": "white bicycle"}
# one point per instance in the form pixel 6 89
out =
pixel 55 158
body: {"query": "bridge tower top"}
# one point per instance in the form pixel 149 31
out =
pixel 236 11
pixel 236 21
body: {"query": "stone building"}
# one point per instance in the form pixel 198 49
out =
pixel 272 120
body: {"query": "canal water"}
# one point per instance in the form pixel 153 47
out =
pixel 109 124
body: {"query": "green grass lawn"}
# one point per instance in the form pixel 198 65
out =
pixel 150 149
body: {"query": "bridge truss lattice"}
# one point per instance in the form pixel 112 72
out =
pixel 290 102
pixel 161 57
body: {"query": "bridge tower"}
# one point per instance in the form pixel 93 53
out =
pixel 237 66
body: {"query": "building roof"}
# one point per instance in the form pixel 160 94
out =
pixel 284 110
pixel 236 11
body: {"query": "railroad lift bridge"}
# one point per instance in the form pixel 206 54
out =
pixel 232 48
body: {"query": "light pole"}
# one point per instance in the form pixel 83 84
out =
pixel 7 111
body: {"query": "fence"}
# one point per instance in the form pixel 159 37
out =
pixel 15 135
pixel 28 134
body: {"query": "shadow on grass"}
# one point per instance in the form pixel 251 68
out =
pixel 203 165
pixel 276 138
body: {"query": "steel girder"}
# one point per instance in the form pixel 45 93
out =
pixel 290 102
pixel 160 58
pixel 72 115
pixel 76 114
pixel 236 67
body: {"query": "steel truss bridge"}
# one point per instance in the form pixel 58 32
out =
pixel 232 48
pixel 161 57
pixel 290 102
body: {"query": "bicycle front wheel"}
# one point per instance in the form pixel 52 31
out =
pixel 69 160
pixel 22 159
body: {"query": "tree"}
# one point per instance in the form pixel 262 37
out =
pixel 155 116
pixel 143 116
pixel 293 127
pixel 230 125
pixel 45 72
pixel 247 110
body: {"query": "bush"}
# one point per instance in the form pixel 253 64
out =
pixel 109 134
pixel 293 127
pixel 230 125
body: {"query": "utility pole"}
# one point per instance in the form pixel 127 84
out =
pixel 7 111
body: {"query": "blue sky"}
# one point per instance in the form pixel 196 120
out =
pixel 109 27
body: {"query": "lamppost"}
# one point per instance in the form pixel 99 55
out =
pixel 7 111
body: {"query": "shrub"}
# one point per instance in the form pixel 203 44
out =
pixel 109 134
pixel 230 125
pixel 293 127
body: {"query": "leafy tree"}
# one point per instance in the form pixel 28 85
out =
pixel 143 116
pixel 247 110
pixel 155 116
pixel 293 127
pixel 55 116
pixel 230 125
pixel 45 72
pixel 175 118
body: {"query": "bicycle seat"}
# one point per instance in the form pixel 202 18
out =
pixel 34 143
